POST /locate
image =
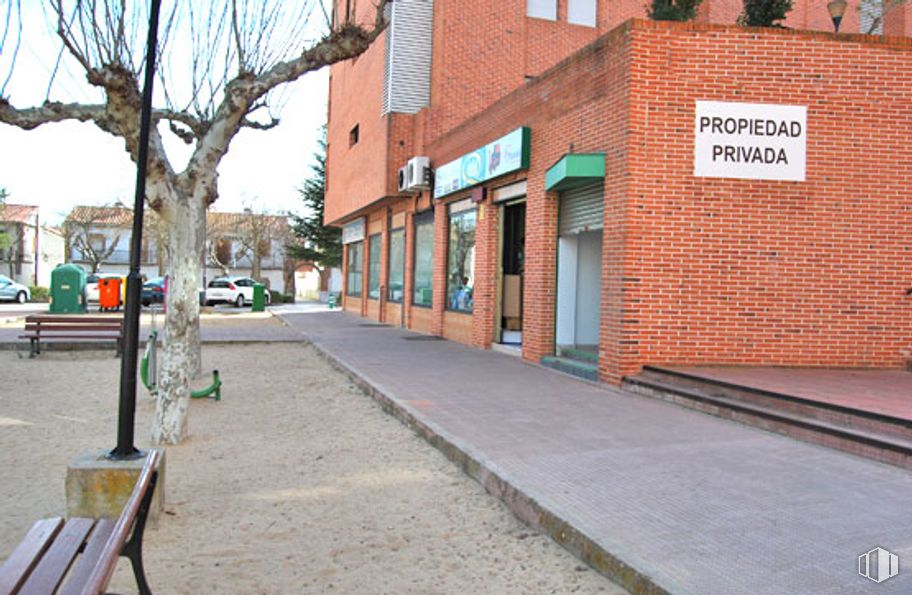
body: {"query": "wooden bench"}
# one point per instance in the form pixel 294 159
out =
pixel 41 564
pixel 52 327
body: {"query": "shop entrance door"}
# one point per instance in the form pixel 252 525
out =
pixel 579 272
pixel 513 241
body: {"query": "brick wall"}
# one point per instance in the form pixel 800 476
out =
pixel 704 270
pixel 763 272
pixel 701 270
pixel 482 52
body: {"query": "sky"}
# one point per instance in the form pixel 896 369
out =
pixel 58 166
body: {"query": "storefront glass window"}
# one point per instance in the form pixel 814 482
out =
pixel 355 264
pixel 424 262
pixel 461 262
pixel 373 267
pixel 396 265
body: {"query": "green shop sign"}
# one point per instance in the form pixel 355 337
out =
pixel 507 154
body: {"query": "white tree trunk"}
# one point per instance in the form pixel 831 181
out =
pixel 181 356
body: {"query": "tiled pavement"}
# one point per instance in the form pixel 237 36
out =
pixel 883 391
pixel 667 498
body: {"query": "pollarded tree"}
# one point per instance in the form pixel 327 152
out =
pixel 673 10
pixel 227 57
pixel 764 13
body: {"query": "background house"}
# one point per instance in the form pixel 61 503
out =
pixel 32 249
pixel 243 244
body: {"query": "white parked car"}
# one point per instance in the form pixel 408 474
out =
pixel 232 290
pixel 92 284
pixel 12 291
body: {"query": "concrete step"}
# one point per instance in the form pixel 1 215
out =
pixel 872 435
pixel 583 355
pixel 585 370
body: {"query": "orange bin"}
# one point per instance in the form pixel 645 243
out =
pixel 109 294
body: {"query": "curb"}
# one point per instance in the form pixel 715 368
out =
pixel 520 503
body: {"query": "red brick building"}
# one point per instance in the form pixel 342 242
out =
pixel 578 182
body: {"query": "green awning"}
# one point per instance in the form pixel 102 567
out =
pixel 575 170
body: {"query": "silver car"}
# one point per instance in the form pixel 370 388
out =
pixel 12 291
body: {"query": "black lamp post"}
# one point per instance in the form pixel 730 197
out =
pixel 836 9
pixel 127 410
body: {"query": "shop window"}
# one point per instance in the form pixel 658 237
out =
pixel 542 9
pixel 423 294
pixel 581 12
pixel 396 265
pixel 373 267
pixel 355 265
pixel 461 261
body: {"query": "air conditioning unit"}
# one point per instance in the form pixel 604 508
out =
pixel 418 173
pixel 403 179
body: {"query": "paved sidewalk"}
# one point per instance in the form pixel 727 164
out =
pixel 665 498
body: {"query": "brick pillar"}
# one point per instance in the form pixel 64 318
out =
pixel 440 274
pixel 486 259
pixel 619 298
pixel 540 278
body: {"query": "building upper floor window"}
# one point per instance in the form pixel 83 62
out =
pixel 542 9
pixel 354 135
pixel 582 12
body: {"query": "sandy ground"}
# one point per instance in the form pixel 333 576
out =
pixel 294 483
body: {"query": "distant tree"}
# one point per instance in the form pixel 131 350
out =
pixel 313 241
pixel 257 231
pixel 84 238
pixel 10 242
pixel 4 236
pixel 764 13
pixel 220 247
pixel 673 10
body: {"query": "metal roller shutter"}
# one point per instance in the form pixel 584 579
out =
pixel 582 209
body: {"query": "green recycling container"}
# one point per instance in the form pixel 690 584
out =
pixel 68 290
pixel 259 297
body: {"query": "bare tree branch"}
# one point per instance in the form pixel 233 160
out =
pixel 248 123
pixel 50 111
pixel 341 44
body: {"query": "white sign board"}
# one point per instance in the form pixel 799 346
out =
pixel 353 232
pixel 750 141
